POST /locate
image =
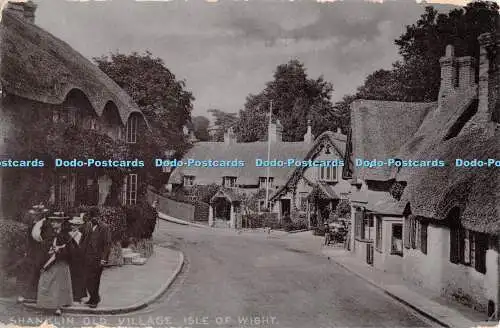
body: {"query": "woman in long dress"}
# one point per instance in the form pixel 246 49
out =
pixel 54 287
pixel 76 267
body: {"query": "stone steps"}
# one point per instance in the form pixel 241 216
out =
pixel 130 257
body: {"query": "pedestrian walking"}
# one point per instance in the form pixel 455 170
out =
pixel 54 286
pixel 76 264
pixel 95 245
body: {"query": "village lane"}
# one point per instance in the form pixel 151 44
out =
pixel 251 280
pixel 238 277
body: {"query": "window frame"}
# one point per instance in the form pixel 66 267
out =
pixel 229 181
pixel 189 178
pixel 132 129
pixel 263 181
pixel 395 251
pixel 130 188
pixel 327 174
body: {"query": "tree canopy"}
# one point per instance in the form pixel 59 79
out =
pixel 295 98
pixel 162 98
pixel 416 77
pixel 223 121
pixel 200 126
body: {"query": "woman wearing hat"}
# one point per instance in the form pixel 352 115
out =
pixel 54 287
pixel 76 263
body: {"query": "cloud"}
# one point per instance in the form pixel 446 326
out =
pixel 226 50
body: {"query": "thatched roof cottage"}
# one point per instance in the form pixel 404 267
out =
pixel 436 221
pixel 44 80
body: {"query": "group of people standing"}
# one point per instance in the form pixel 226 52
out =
pixel 67 257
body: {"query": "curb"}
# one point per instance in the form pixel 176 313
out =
pixel 397 298
pixel 137 306
pixel 297 231
pixel 169 218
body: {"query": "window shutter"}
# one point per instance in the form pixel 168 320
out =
pixel 423 237
pixel 407 232
pixel 461 245
pixel 413 232
pixel 454 245
pixel 481 248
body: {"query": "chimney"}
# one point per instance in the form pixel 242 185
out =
pixel 23 9
pixel 308 137
pixel 276 132
pixel 466 72
pixel 448 73
pixel 229 137
pixel 488 83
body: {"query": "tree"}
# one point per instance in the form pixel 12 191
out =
pixel 200 126
pixel 423 44
pixel 296 98
pixel 163 99
pixel 222 122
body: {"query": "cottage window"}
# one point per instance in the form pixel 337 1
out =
pixel 65 190
pixel 130 189
pixel 468 248
pixel 378 234
pixel 229 182
pixel 415 235
pixel 397 239
pixel 188 180
pixel 328 174
pixel 262 182
pixel 132 126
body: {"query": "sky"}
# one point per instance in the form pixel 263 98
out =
pixel 227 50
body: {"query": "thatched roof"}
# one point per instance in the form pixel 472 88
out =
pixel 380 128
pixel 433 192
pixel 40 67
pixel 435 127
pixel 247 152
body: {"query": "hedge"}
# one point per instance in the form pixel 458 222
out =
pixel 13 243
pixel 262 220
pixel 113 216
pixel 141 220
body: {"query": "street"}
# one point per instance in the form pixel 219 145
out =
pixel 251 280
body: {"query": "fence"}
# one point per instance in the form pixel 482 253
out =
pixel 195 211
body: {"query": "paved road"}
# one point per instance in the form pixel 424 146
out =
pixel 251 280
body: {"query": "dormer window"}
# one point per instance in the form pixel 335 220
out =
pixel 132 126
pixel 263 180
pixel 328 174
pixel 188 180
pixel 229 182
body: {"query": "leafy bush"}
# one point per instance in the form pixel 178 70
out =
pixel 343 209
pixel 114 216
pixel 13 245
pixel 262 220
pixel 141 220
pixel 201 211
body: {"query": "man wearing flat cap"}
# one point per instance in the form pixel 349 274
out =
pixel 95 245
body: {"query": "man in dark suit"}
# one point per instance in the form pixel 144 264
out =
pixel 96 243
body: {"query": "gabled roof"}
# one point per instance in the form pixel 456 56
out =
pixel 247 152
pixel 228 194
pixel 336 140
pixel 380 128
pixel 40 67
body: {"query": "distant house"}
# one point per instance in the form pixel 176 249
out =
pixel 248 178
pixel 437 226
pixel 316 189
pixel 44 79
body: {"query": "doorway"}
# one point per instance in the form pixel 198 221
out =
pixel 285 207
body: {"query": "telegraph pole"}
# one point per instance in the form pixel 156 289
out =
pixel 268 152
